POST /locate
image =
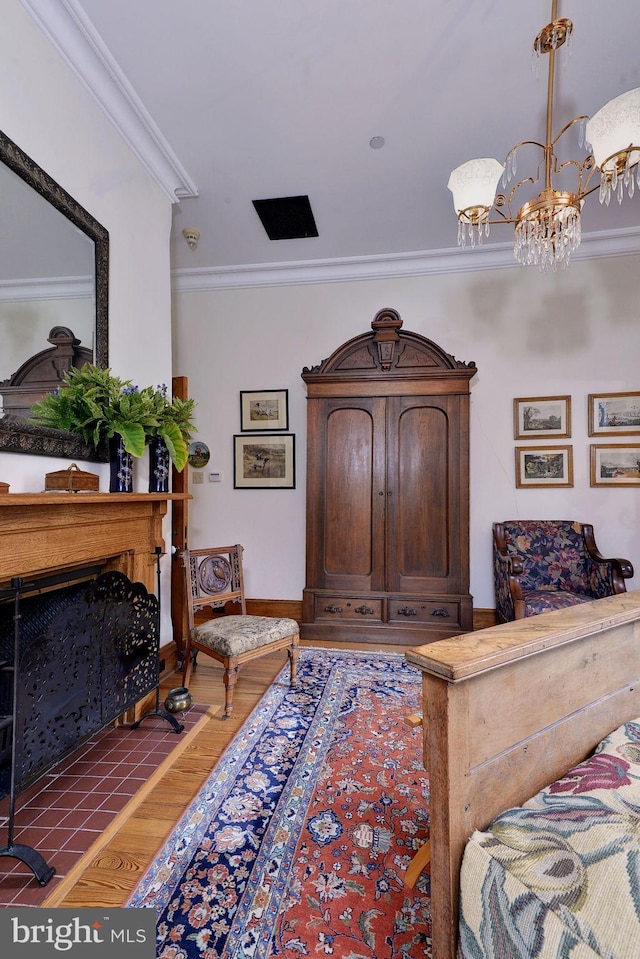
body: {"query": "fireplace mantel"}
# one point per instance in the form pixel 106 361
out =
pixel 43 533
pixel 99 657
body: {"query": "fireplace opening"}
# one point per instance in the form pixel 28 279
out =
pixel 74 659
pixel 40 612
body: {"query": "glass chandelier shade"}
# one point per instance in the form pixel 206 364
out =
pixel 473 185
pixel 612 133
pixel 547 225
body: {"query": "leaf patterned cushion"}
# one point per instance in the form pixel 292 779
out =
pixel 553 554
pixel 232 635
pixel 559 877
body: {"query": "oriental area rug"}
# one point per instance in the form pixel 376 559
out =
pixel 298 843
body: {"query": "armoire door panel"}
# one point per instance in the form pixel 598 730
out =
pixel 349 512
pixel 422 546
pixel 422 502
pixel 353 533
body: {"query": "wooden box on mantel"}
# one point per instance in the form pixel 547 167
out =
pixel 4 487
pixel 72 480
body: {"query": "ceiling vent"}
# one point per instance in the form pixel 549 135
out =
pixel 287 217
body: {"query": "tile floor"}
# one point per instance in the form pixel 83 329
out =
pixel 68 808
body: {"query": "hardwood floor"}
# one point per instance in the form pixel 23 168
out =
pixel 111 871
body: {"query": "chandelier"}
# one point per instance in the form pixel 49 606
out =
pixel 547 226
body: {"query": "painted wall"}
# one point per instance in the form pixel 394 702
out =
pixel 47 111
pixel 530 335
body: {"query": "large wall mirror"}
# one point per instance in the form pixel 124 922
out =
pixel 54 299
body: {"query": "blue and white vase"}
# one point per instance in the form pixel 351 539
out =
pixel 120 466
pixel 159 465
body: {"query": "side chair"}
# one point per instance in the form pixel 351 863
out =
pixel 542 565
pixel 213 578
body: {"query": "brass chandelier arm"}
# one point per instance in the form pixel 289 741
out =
pixel 510 217
pixel 543 146
pixel 583 188
pixel 552 167
pixel 568 126
pixel 502 209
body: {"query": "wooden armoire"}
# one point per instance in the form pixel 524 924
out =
pixel 387 490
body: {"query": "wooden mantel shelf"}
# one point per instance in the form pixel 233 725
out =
pixel 43 533
pixel 67 498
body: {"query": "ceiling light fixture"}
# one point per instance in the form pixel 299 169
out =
pixel 547 225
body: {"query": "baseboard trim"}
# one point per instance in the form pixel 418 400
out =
pixel 276 607
pixel 482 618
pixel 168 659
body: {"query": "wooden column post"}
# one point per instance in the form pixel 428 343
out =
pixel 179 521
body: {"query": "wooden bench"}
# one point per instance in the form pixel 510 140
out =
pixel 507 710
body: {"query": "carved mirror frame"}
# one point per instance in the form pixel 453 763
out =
pixel 21 436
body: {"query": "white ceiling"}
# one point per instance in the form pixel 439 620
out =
pixel 269 98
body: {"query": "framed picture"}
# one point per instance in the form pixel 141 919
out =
pixel 541 416
pixel 615 465
pixel 614 414
pixel 262 462
pixel 544 466
pixel 264 410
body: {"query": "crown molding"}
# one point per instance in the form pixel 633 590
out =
pixel 75 38
pixel 47 288
pixel 498 256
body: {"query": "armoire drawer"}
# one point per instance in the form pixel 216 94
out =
pixel 436 612
pixel 354 609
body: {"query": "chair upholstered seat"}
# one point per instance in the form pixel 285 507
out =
pixel 214 578
pixel 544 600
pixel 233 635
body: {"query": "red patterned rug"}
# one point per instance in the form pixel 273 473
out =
pixel 298 843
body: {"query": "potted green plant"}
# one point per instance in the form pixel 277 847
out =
pixel 102 407
pixel 168 437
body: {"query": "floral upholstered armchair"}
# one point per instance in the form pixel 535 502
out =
pixel 540 565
